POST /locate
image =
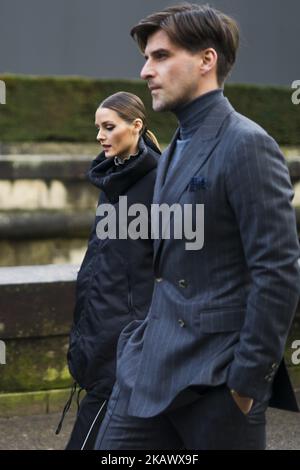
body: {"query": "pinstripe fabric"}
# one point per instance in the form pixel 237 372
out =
pixel 228 322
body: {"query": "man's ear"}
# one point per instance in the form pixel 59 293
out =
pixel 209 58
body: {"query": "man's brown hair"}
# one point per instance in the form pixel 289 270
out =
pixel 194 28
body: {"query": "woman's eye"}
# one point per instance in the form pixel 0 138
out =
pixel 110 128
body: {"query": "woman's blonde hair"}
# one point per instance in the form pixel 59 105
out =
pixel 130 107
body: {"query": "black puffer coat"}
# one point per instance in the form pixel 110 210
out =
pixel 115 281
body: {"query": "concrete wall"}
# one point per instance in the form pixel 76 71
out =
pixel 36 308
pixel 90 37
pixel 47 208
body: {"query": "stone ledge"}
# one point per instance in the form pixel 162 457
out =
pixel 36 301
pixel 54 148
pixel 38 274
pixel 46 167
pixel 38 402
pixel 38 224
pixel 44 251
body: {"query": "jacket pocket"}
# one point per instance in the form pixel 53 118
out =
pixel 221 320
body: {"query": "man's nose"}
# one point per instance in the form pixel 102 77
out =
pixel 147 72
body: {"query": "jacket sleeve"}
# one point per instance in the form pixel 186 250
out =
pixel 260 194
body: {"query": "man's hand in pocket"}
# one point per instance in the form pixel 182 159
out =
pixel 244 403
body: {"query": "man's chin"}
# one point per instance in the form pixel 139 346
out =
pixel 159 106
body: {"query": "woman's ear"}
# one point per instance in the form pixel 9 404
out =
pixel 138 125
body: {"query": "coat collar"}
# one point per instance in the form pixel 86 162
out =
pixel 115 181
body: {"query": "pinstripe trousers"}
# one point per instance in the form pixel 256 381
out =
pixel 209 421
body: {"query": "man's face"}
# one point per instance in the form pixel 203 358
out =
pixel 172 73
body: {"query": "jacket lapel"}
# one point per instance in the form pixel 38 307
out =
pixel 163 165
pixel 194 157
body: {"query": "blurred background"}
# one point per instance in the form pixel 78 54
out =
pixel 91 38
pixel 58 61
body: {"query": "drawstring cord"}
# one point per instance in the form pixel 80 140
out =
pixel 67 406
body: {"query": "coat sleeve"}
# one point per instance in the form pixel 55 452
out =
pixel 260 194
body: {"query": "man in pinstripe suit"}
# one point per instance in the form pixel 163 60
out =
pixel 199 372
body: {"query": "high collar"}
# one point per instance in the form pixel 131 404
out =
pixel 192 114
pixel 116 180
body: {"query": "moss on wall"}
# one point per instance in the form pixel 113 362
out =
pixel 35 364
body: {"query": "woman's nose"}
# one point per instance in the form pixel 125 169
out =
pixel 100 136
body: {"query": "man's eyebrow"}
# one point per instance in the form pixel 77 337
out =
pixel 157 51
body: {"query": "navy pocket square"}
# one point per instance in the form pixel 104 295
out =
pixel 198 182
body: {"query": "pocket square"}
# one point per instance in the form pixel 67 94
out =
pixel 198 182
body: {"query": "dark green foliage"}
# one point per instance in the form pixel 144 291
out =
pixel 62 109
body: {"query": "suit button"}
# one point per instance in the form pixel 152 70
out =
pixel 158 279
pixel 274 366
pixel 181 322
pixel 182 283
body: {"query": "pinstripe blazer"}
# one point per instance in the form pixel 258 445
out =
pixel 220 314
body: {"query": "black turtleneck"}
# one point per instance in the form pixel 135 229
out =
pixel 191 114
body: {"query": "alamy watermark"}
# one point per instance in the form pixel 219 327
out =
pixel 186 222
pixel 2 353
pixel 296 94
pixel 2 92
pixel 296 353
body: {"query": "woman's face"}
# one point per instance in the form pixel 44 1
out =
pixel 116 136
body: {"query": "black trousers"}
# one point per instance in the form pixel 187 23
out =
pixel 213 421
pixel 89 418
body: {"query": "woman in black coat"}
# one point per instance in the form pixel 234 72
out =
pixel 115 281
